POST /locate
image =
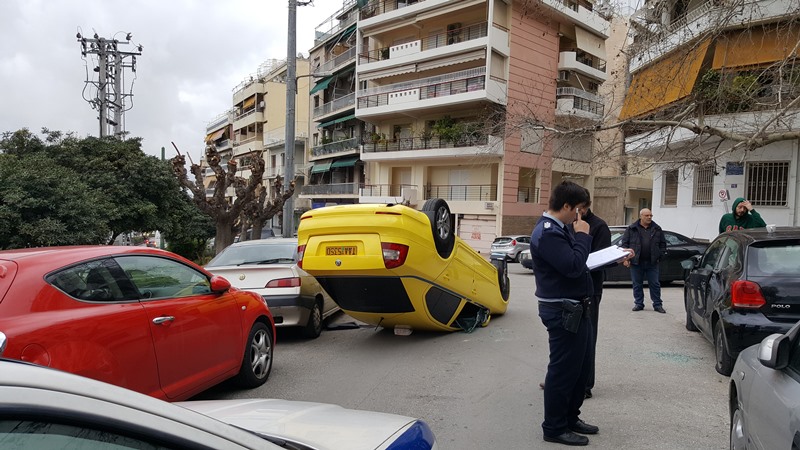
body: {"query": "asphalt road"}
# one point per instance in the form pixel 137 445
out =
pixel 656 385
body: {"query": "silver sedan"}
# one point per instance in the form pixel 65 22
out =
pixel 46 408
pixel 765 394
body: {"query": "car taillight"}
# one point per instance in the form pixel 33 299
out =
pixel 513 242
pixel 746 294
pixel 284 283
pixel 394 255
pixel 301 249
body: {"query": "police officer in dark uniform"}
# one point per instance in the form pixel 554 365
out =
pixel 563 287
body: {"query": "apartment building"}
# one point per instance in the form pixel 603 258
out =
pixel 256 126
pixel 336 172
pixel 730 66
pixel 457 97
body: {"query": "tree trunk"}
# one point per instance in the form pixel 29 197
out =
pixel 224 236
pixel 258 225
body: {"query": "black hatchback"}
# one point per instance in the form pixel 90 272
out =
pixel 745 287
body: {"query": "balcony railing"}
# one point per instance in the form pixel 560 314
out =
pixel 335 147
pixel 335 105
pixel 377 7
pixel 335 23
pixel 339 60
pixel 247 140
pixel 438 86
pixel 385 190
pixel 462 192
pixel 527 195
pixel 585 101
pixel 588 59
pixel 402 144
pixel 331 189
pixel 463 34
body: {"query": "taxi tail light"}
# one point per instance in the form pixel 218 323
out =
pixel 394 255
pixel 746 294
pixel 284 283
pixel 301 249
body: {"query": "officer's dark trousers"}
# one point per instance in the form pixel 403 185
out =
pixel 567 372
pixel 595 315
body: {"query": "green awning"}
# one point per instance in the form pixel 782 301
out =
pixel 322 167
pixel 345 162
pixel 331 122
pixel 321 85
pixel 350 30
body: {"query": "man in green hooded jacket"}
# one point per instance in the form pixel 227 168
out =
pixel 743 216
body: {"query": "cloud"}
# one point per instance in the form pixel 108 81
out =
pixel 194 53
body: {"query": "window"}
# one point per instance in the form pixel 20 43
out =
pixel 24 434
pixel 767 183
pixel 713 254
pixel 703 185
pixel 96 281
pixel 670 180
pixel 156 277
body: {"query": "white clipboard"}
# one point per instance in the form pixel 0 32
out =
pixel 605 256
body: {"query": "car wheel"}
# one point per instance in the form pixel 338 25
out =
pixel 689 322
pixel 518 258
pixel 441 225
pixel 502 277
pixel 313 328
pixel 257 360
pixel 724 362
pixel 738 438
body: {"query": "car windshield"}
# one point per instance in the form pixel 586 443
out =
pixel 255 254
pixel 774 260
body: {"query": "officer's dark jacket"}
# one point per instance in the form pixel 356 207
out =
pixel 559 261
pixel 632 239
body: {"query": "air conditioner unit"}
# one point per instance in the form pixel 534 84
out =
pixel 563 75
pixel 261 105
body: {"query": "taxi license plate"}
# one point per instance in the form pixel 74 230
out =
pixel 347 250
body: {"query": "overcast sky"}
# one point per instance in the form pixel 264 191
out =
pixel 194 53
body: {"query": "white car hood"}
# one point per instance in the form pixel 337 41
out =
pixel 322 426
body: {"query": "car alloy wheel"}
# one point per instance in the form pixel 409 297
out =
pixel 314 326
pixel 724 361
pixel 257 360
pixel 441 225
pixel 738 438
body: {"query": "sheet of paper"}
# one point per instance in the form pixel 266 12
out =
pixel 605 256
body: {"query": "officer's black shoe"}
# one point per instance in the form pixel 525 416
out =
pixel 568 438
pixel 659 309
pixel 638 308
pixel 587 393
pixel 583 428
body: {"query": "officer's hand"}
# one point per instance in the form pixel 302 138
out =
pixel 580 226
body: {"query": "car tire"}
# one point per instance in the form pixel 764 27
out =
pixel 441 225
pixel 502 277
pixel 724 365
pixel 518 258
pixel 738 436
pixel 257 360
pixel 689 322
pixel 313 327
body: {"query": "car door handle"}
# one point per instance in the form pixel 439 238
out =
pixel 162 319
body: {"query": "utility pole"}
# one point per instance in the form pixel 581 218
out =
pixel 109 96
pixel 291 93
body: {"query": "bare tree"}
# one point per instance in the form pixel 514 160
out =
pixel 248 204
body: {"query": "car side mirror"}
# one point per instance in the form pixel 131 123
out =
pixel 219 284
pixel 692 262
pixel 773 351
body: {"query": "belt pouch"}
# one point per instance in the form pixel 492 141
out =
pixel 571 316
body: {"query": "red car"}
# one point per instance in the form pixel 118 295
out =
pixel 138 317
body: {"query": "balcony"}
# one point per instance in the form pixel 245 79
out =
pixel 402 144
pixel 248 144
pixel 462 192
pixel 337 105
pixel 219 121
pixel 577 102
pixel 575 12
pixel 255 115
pixel 332 148
pixel 388 193
pixel 272 172
pixel 527 194
pixel 339 21
pixel 378 7
pixel 443 91
pixel 338 61
pixel 458 35
pixel 582 62
pixel 331 189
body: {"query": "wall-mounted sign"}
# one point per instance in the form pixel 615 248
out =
pixel 734 168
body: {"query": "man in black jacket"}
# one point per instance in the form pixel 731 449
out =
pixel 563 286
pixel 646 239
pixel 601 238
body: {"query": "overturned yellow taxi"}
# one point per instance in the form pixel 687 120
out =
pixel 390 265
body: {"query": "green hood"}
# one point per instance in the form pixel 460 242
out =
pixel 736 203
